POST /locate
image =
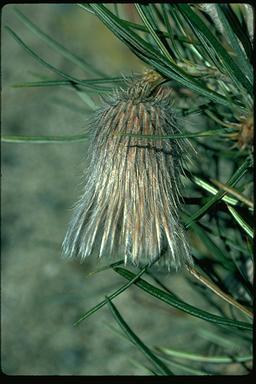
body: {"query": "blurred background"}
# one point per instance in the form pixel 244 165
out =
pixel 42 294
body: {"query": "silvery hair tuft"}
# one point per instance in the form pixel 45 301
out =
pixel 131 200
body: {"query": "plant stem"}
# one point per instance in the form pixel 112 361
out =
pixel 233 192
pixel 213 287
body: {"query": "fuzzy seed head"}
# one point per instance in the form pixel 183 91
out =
pixel 131 200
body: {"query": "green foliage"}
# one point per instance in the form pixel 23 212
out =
pixel 162 368
pixel 207 53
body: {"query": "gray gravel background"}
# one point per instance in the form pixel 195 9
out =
pixel 42 295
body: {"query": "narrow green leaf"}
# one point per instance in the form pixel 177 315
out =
pixel 141 27
pixel 122 335
pixel 239 248
pixel 218 339
pixel 106 267
pixel 212 247
pixel 116 10
pixel 44 139
pixel 203 358
pixel 213 132
pixel 40 60
pixel 70 104
pixel 169 299
pixel 238 218
pixel 170 32
pixel 110 297
pixel 132 25
pixel 231 182
pixel 123 32
pixel 153 57
pixel 198 25
pixel 184 368
pixel 153 15
pixel 190 82
pixel 85 97
pixel 172 363
pixel 240 55
pixel 53 83
pixel 138 342
pixel 159 282
pixel 147 23
pixel 86 7
pixel 211 189
pixel 57 46
pixel 145 368
pixel 240 31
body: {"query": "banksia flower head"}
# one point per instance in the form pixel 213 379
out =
pixel 131 201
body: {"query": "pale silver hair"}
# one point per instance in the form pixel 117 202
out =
pixel 131 202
